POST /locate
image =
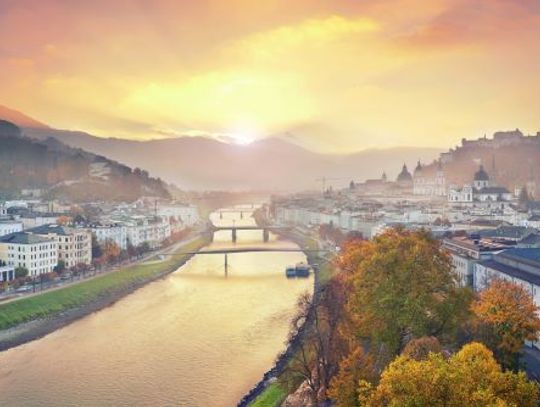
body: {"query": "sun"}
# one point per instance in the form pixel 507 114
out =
pixel 242 137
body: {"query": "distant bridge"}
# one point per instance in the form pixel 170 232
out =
pixel 265 229
pixel 241 211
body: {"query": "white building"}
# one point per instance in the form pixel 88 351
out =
pixel 114 232
pixel 7 273
pixel 429 183
pixel 466 251
pixel 10 226
pixel 74 245
pixel 134 231
pixel 39 255
pixel 481 194
pixel 187 215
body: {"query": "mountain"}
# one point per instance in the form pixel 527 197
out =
pixel 20 119
pixel 65 172
pixel 270 164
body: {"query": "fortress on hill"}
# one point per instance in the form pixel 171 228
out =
pixel 500 139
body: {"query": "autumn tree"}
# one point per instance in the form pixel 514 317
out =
pixel 471 377
pixel 420 348
pixel 111 251
pixel 507 317
pixel 402 287
pixel 357 366
pixel 321 347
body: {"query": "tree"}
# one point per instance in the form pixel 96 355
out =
pixel 471 377
pixel 63 220
pixel 344 390
pixel 321 347
pixel 21 272
pixel 419 349
pixel 60 267
pixel 402 287
pixel 509 317
pixel 97 250
pixel 111 251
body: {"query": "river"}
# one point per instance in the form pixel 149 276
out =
pixel 194 338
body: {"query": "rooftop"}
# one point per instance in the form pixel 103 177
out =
pixel 512 271
pixel 23 238
pixel 52 229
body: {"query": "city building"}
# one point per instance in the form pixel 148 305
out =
pixel 7 273
pixel 429 181
pixel 74 244
pixel 10 226
pixel 466 251
pixel 39 255
pixel 404 178
pixel 481 193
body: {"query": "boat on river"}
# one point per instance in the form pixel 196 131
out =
pixel 298 270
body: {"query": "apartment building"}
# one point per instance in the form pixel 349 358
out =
pixel 74 244
pixel 38 254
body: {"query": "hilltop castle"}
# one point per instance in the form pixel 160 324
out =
pixel 500 139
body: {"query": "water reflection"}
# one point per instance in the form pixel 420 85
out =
pixel 194 338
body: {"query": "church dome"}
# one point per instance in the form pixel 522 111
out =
pixel 481 174
pixel 404 175
pixel 418 168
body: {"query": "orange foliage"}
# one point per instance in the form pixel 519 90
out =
pixel 508 309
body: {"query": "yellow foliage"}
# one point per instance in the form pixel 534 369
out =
pixel 471 377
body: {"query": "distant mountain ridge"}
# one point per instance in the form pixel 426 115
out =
pixel 20 119
pixel 65 172
pixel 268 164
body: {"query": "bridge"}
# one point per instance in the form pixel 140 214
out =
pixel 247 249
pixel 241 211
pixel 265 229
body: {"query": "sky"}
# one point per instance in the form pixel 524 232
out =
pixel 334 76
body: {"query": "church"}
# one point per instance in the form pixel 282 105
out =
pixel 427 182
pixel 482 193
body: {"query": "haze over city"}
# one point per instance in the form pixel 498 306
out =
pixel 333 76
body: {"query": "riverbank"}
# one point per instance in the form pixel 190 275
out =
pixel 31 318
pixel 267 392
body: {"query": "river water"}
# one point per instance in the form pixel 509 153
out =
pixel 194 338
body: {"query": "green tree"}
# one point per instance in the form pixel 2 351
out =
pixel 60 267
pixel 21 272
pixel 402 287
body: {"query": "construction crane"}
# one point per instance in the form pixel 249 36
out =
pixel 324 180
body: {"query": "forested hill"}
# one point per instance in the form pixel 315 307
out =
pixel 66 172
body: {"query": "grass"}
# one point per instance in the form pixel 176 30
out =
pixel 54 302
pixel 272 396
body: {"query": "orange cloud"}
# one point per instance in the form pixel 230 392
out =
pixel 341 75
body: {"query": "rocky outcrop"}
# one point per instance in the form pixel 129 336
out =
pixel 302 397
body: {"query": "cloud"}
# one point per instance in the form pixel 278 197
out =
pixel 339 75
